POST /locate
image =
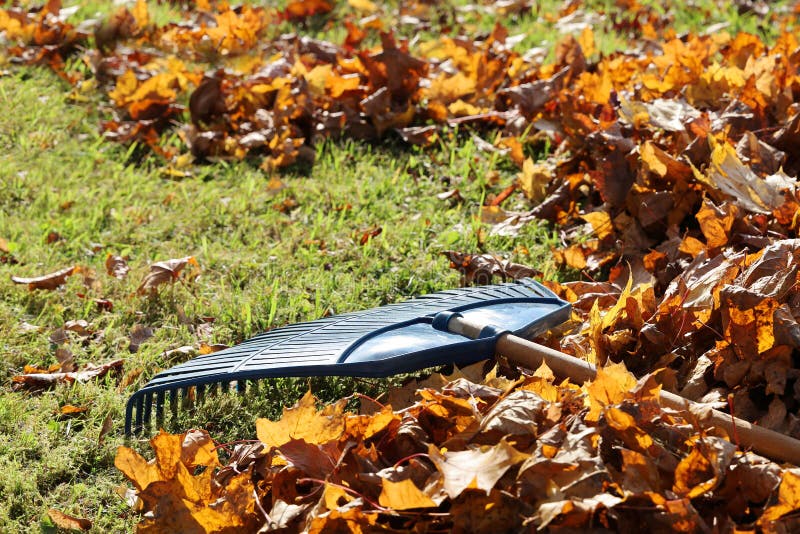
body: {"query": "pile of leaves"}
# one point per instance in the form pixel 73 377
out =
pixel 476 452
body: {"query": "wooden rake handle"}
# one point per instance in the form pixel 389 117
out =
pixel 531 355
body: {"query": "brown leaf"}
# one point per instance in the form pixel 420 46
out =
pixel 117 266
pixel 704 468
pixel 36 381
pixel 68 522
pixel 139 334
pixel 65 359
pixel 480 269
pixel 108 424
pixel 165 272
pixel 47 281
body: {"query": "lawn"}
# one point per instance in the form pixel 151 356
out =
pixel 261 266
pixel 365 224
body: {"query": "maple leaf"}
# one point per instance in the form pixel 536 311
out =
pixel 303 422
pixel 611 386
pixel 477 468
pixel 403 495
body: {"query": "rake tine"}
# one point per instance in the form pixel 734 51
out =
pixel 160 407
pixel 200 394
pixel 173 403
pixel 139 412
pixel 185 398
pixel 148 409
pixel 241 386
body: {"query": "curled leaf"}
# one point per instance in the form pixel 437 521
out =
pixel 47 281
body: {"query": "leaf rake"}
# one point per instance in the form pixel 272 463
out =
pixel 459 326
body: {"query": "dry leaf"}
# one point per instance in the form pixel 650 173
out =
pixel 117 266
pixel 68 522
pixel 163 272
pixel 47 281
pixel 303 422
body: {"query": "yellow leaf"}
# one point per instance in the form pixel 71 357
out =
pixel 534 179
pixel 138 470
pixel 140 14
pixel 459 108
pixel 445 88
pixel 317 77
pixel 610 386
pixel 303 421
pixel 333 496
pixel 403 495
pixel 788 500
pixel 601 223
pixel 363 5
pixel 586 40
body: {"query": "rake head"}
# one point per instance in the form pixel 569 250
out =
pixel 392 339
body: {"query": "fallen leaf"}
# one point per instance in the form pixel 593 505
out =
pixel 47 281
pixel 117 266
pixel 68 522
pixel 477 468
pixel 139 334
pixel 163 272
pixel 303 422
pixel 403 495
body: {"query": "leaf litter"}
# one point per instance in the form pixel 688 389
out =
pixel 673 185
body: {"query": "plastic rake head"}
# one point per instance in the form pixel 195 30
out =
pixel 392 339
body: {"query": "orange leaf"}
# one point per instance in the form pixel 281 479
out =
pixel 611 386
pixel 303 421
pixel 403 495
pixel 68 522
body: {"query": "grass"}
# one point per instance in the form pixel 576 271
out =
pixel 260 268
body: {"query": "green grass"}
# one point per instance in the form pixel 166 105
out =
pixel 260 268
